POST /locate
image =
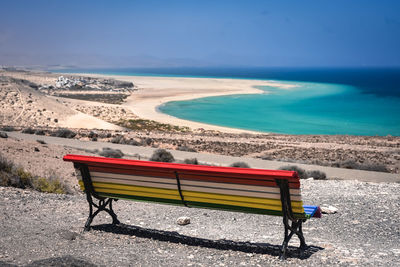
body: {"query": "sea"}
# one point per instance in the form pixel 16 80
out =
pixel 331 101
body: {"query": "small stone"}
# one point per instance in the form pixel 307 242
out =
pixel 36 149
pixel 329 210
pixel 183 220
pixel 3 135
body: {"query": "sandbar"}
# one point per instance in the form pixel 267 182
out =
pixel 153 92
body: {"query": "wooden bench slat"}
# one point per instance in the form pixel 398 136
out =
pixel 257 174
pixel 243 181
pixel 220 188
pixel 197 188
pixel 205 205
pixel 198 200
pixel 220 179
pixel 188 195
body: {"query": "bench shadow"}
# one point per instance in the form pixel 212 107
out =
pixel 222 244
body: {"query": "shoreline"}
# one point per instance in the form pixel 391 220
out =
pixel 153 92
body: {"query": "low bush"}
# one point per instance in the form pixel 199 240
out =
pixel 185 148
pixel 8 129
pixel 39 132
pixel 5 164
pixel 25 178
pixel 92 134
pixel 132 142
pixel 191 161
pixel 18 177
pixel 147 141
pixel 376 167
pixel 64 133
pixel 111 153
pixel 117 139
pixel 161 155
pixel 367 166
pixel 317 175
pixel 240 164
pixel 51 184
pixel 301 172
pixel 28 130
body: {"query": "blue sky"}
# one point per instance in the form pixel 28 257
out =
pixel 305 33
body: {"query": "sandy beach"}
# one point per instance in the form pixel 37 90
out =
pixel 155 91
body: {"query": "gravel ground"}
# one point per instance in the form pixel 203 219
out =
pixel 40 229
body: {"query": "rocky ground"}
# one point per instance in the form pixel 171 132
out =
pixel 41 229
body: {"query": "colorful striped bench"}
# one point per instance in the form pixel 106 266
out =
pixel 269 192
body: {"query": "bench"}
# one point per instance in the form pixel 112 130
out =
pixel 269 192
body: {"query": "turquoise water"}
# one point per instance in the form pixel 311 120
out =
pixel 310 108
pixel 354 101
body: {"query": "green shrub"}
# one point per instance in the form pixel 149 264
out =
pixel 301 172
pixel 147 142
pixel 185 148
pixel 6 179
pixel 367 166
pixel 39 132
pixel 25 178
pixel 64 133
pixel 8 129
pixel 93 134
pixel 371 166
pixel 161 155
pixel 28 130
pixel 240 164
pixel 42 184
pixel 191 161
pixel 133 142
pixel 5 164
pixel 117 140
pixel 317 175
pixel 18 177
pixel 111 153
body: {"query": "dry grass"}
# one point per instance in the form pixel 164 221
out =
pixel 14 176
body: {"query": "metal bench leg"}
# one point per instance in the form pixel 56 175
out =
pixel 90 194
pixel 303 245
pixel 112 213
pixel 297 229
pixel 285 243
pixel 100 207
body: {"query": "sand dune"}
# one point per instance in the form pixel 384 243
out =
pixel 22 105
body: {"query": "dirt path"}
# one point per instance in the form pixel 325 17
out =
pixel 146 152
